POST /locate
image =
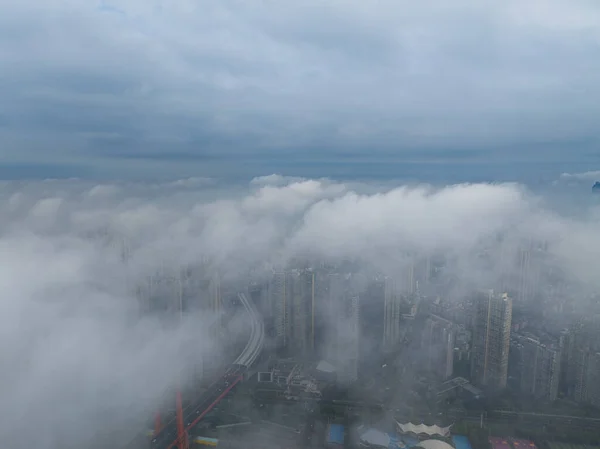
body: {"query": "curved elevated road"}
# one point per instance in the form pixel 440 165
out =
pixel 257 334
pixel 201 406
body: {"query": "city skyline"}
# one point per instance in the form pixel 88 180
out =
pixel 409 250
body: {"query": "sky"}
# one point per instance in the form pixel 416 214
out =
pixel 150 89
pixel 86 362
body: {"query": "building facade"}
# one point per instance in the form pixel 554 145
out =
pixel 539 367
pixel 293 302
pixel 438 346
pixel 492 315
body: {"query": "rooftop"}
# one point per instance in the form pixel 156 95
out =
pixel 423 429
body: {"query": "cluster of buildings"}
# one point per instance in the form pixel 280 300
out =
pixel 353 321
pixel 485 341
pixel 338 316
pixel 527 358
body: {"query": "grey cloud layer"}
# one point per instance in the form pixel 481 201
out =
pixel 182 79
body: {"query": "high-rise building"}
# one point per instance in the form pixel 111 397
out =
pixel 214 294
pixel 593 377
pixel 165 290
pixel 422 273
pixel 580 373
pixel 438 346
pixel 342 336
pixel 572 345
pixel 528 276
pixel 302 311
pixel 392 313
pixel 401 299
pixel 582 362
pixel 409 281
pixel 292 298
pixel 539 367
pixel 492 316
pixel 278 296
pixel 371 326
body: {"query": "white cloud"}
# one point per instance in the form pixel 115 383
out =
pixel 192 182
pixel 103 191
pixel 275 180
pixel 419 219
pixel 71 332
pixel 584 176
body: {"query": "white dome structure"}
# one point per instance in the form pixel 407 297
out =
pixel 375 438
pixel 434 444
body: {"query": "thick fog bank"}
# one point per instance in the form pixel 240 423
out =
pixel 81 354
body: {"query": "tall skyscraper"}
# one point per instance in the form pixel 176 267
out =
pixel 342 337
pixel 586 365
pixel 372 325
pixel 492 316
pixel 214 294
pixel 539 368
pixel 392 313
pixel 279 300
pixel 292 297
pixel 409 280
pixel 302 313
pixel 592 372
pixel 582 363
pixel 438 346
pixel 528 277
pixel 401 302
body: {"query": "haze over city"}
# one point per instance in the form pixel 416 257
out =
pixel 297 216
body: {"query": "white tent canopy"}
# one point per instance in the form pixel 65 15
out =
pixel 422 429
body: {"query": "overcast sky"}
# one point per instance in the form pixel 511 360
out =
pixel 175 88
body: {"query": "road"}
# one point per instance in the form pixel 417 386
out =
pixel 193 414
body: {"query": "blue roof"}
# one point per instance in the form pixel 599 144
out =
pixel 335 434
pixel 402 441
pixel 461 442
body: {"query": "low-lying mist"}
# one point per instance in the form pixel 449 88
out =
pixel 82 357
